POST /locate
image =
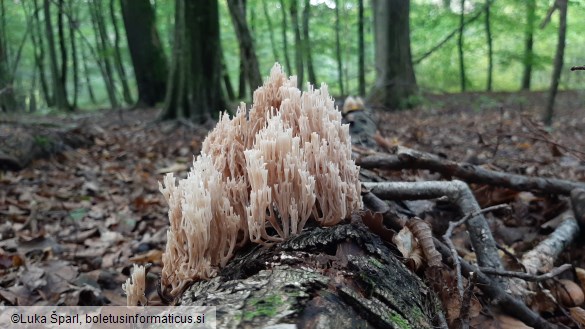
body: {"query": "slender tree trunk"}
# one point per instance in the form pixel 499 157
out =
pixel 59 95
pixel 294 17
pixel 72 28
pixel 118 56
pixel 307 43
pixel 395 84
pixel 242 75
pixel 87 75
pixel 148 58
pixel 194 87
pixel 103 48
pixel 460 46
pixel 247 52
pixel 528 43
pixel 39 51
pixel 558 63
pixel 63 49
pixel 7 99
pixel 284 27
pixel 361 50
pixel 488 32
pixel 270 31
pixel 229 89
pixel 338 49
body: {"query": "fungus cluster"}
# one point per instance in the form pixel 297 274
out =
pixel 260 177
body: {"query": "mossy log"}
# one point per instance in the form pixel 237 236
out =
pixel 338 277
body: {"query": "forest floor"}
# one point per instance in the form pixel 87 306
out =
pixel 71 224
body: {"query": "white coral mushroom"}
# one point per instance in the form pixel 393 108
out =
pixel 261 176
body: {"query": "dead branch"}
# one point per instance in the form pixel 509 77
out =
pixel 492 291
pixel 529 277
pixel 542 257
pixel 454 255
pixel 411 159
pixel 578 68
pixel 459 193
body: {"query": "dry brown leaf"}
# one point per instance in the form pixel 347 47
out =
pixel 578 314
pixel 409 247
pixel 152 256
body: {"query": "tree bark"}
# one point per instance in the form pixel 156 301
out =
pixel 561 5
pixel 528 43
pixel 460 46
pixel 63 50
pixel 338 50
pixel 488 32
pixel 338 277
pixel 194 87
pixel 247 51
pixel 307 43
pixel 361 50
pixel 294 17
pixel 148 58
pixel 395 84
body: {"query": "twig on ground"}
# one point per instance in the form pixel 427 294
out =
pixel 411 159
pixel 447 239
pixel 542 257
pixel 459 193
pixel 466 301
pixel 529 277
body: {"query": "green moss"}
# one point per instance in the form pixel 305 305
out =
pixel 267 306
pixel 400 321
pixel 42 141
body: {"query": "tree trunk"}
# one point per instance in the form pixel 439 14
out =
pixel 488 32
pixel 361 50
pixel 39 51
pixel 338 50
pixel 561 5
pixel 284 27
pixel 460 46
pixel 7 99
pixel 118 56
pixel 73 24
pixel 395 84
pixel 103 49
pixel 338 277
pixel 252 68
pixel 229 89
pixel 528 43
pixel 270 31
pixel 307 43
pixel 194 87
pixel 63 50
pixel 59 95
pixel 242 74
pixel 146 51
pixel 294 17
pixel 87 77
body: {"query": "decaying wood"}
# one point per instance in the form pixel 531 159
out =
pixel 404 158
pixel 338 277
pixel 530 277
pixel 459 193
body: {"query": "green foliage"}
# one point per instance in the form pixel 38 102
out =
pixel 431 22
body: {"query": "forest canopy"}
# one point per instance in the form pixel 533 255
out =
pixel 92 54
